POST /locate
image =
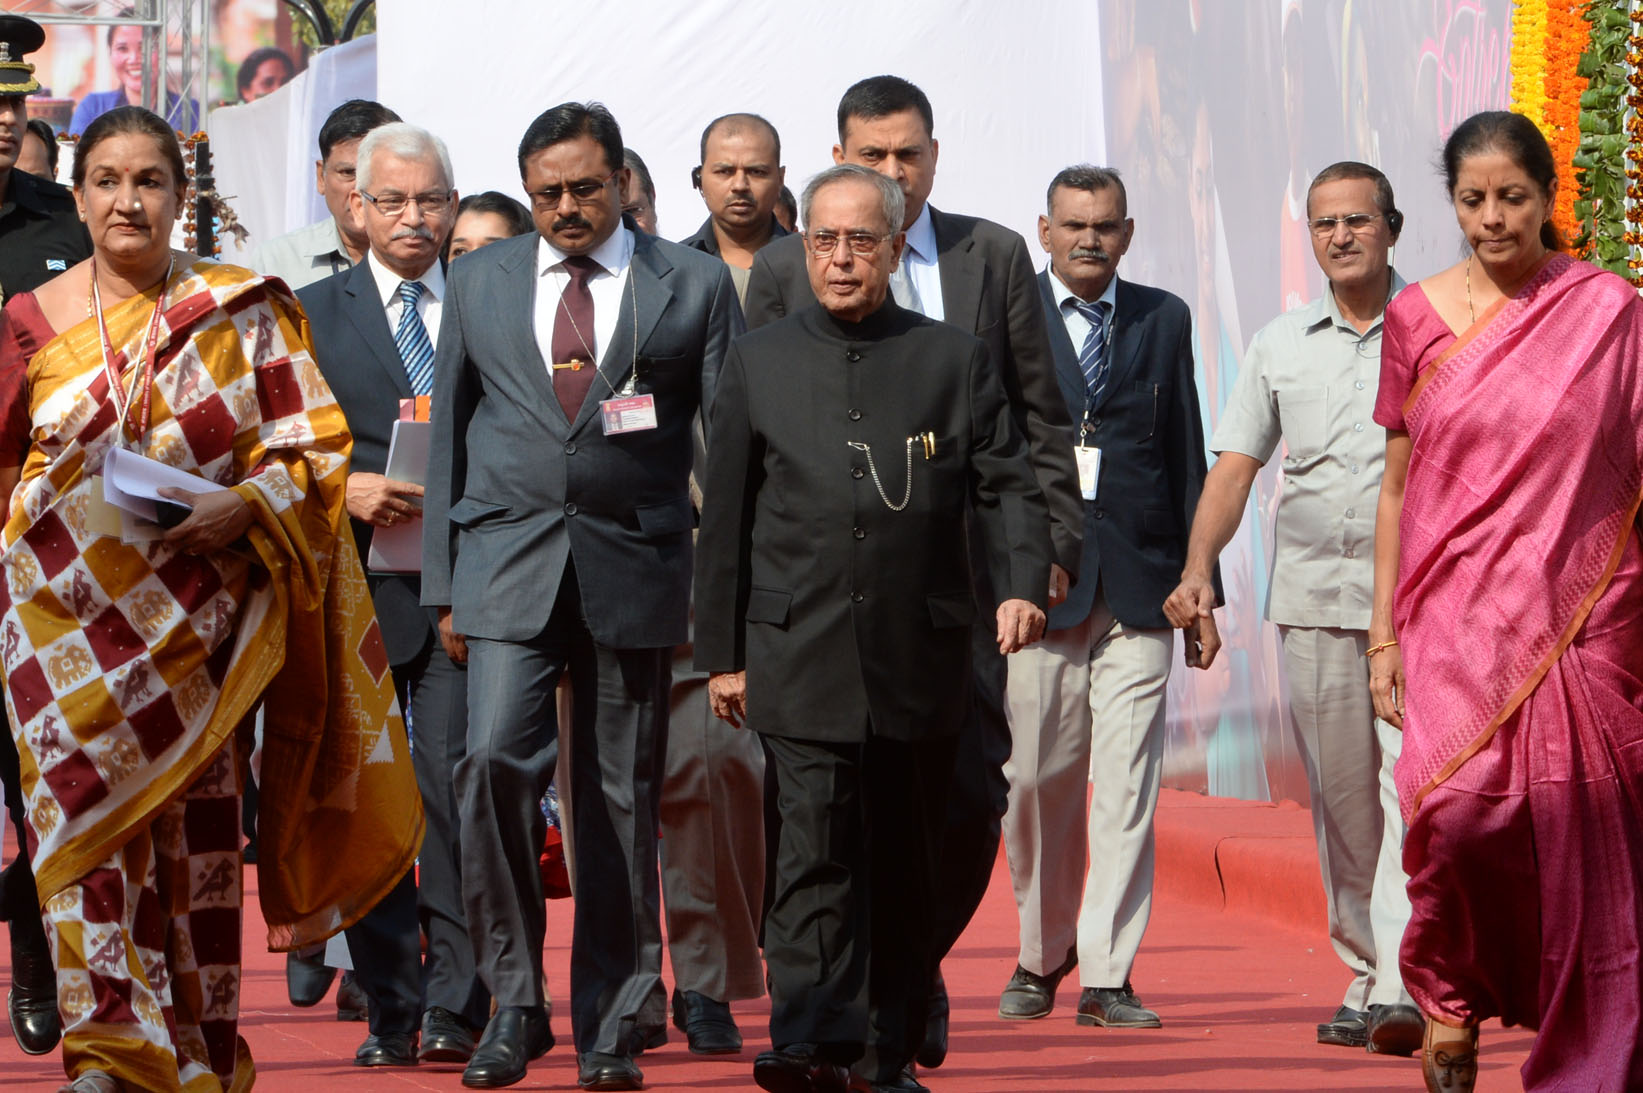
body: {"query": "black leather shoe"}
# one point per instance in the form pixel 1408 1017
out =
pixel 32 1001
pixel 1028 996
pixel 515 1036
pixel 797 1068
pixel 1348 1028
pixel 933 1051
pixel 352 1004
pixel 446 1038
pixel 596 1070
pixel 1395 1029
pixel 706 1023
pixel 1115 1007
pixel 307 977
pixel 389 1049
pixel 904 1082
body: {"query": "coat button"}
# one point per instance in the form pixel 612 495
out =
pixel 570 448
pixel 856 472
pixel 1099 514
pixel 852 356
pixel 570 508
pixel 855 415
pixel 1350 513
pixel 859 533
pixel 855 597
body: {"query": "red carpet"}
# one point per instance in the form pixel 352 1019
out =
pixel 1235 961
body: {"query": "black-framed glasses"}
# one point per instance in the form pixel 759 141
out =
pixel 391 205
pixel 861 244
pixel 549 197
pixel 1356 223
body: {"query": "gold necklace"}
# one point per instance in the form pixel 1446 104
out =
pixel 1469 309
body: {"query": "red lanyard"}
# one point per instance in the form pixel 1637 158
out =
pixel 146 376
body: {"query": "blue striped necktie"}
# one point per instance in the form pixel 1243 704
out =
pixel 411 339
pixel 1092 358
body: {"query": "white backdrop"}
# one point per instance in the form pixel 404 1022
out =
pixel 1022 79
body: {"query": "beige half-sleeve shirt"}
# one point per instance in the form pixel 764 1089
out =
pixel 1308 382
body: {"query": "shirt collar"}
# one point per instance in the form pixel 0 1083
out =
pixel 613 255
pixel 1065 296
pixel 387 281
pixel 1324 309
pixel 921 236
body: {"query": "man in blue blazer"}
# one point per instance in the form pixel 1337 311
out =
pixel 571 365
pixel 1088 702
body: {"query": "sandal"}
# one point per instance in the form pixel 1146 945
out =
pixel 1449 1058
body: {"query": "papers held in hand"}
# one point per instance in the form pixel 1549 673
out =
pixel 397 548
pixel 132 484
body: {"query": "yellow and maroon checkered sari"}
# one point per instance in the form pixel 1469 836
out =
pixel 128 667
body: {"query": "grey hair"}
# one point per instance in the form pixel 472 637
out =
pixel 890 195
pixel 401 140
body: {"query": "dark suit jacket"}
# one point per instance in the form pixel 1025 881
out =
pixel 843 612
pixel 986 290
pixel 1152 455
pixel 705 241
pixel 515 490
pixel 355 352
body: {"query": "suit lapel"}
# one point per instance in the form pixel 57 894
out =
pixel 370 320
pixel 644 298
pixel 1129 335
pixel 514 294
pixel 1067 372
pixel 962 272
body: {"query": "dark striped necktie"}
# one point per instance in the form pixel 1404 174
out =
pixel 1092 357
pixel 415 348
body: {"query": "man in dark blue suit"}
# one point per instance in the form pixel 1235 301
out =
pixel 1095 685
pixel 374 329
pixel 571 366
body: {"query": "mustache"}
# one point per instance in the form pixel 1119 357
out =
pixel 1095 253
pixel 565 223
pixel 419 232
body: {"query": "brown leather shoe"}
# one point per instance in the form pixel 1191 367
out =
pixel 1115 1007
pixel 1449 1058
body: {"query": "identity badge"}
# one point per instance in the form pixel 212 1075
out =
pixel 1089 470
pixel 632 414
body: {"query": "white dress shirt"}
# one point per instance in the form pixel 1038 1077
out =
pixel 614 256
pixel 919 256
pixel 429 305
pixel 1078 327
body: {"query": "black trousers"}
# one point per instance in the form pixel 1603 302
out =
pixel 19 902
pixel 853 914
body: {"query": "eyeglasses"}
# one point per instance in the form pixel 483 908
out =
pixel 391 205
pixel 1356 223
pixel 549 197
pixel 861 244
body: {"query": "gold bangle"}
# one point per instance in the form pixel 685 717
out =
pixel 1381 648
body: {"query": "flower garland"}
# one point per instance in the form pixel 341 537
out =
pixel 1549 38
pixel 1633 237
pixel 1607 163
pixel 1528 60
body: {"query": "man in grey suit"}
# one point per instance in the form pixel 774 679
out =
pixel 374 328
pixel 975 275
pixel 557 544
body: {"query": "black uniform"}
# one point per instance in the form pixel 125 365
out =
pixel 40 237
pixel 40 233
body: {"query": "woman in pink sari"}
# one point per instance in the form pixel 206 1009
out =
pixel 1507 639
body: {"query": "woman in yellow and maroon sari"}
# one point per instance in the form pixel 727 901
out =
pixel 1511 651
pixel 130 665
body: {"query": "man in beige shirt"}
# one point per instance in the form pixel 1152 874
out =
pixel 1309 379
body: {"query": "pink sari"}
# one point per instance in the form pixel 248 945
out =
pixel 1519 610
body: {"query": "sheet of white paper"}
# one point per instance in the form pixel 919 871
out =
pixel 132 483
pixel 398 547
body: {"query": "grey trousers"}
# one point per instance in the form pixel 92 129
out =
pixel 713 851
pixel 1349 755
pixel 612 752
pixel 1087 702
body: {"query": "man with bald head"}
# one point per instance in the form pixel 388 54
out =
pixel 713 850
pixel 850 653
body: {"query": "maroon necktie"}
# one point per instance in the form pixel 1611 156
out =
pixel 573 337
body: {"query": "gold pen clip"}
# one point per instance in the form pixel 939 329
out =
pixel 929 445
pixel 574 366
